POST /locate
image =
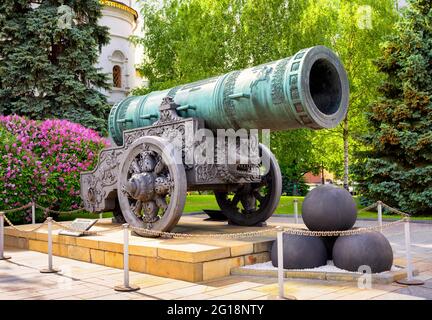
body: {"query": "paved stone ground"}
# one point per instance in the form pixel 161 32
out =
pixel 20 278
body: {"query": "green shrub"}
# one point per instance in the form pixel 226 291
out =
pixel 42 161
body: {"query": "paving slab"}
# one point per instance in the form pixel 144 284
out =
pixel 20 277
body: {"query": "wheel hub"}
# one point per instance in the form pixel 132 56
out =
pixel 141 186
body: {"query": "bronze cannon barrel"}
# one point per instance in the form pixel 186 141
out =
pixel 308 90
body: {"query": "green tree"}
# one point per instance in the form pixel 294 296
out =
pixel 187 40
pixel 398 168
pixel 184 41
pixel 354 30
pixel 48 54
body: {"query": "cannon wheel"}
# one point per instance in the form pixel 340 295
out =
pixel 152 185
pixel 253 203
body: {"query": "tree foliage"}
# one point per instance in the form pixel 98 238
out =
pixel 398 167
pixel 188 40
pixel 47 70
pixel 354 30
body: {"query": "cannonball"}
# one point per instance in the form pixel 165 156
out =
pixel 371 249
pixel 300 252
pixel 329 208
pixel 329 243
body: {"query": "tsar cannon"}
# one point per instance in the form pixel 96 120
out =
pixel 164 146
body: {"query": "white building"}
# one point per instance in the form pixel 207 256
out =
pixel 119 57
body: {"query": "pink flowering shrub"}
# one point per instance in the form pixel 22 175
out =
pixel 42 160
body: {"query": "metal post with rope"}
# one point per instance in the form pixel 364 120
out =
pixel 126 287
pixel 50 268
pixel 379 210
pixel 296 211
pixel 280 263
pixel 280 266
pixel 409 280
pixel 33 213
pixel 2 256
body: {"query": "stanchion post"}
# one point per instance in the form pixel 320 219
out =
pixel 100 216
pixel 408 250
pixel 280 263
pixel 296 210
pixel 410 277
pixel 33 213
pixel 50 268
pixel 379 209
pixel 126 286
pixel 2 256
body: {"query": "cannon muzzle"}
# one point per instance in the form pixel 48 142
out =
pixel 308 90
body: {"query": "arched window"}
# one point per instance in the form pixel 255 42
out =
pixel 117 81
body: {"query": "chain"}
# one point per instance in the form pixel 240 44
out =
pixel 205 235
pixel 15 228
pixel 395 210
pixel 373 205
pixel 47 210
pixel 8 221
pixel 290 230
pixel 304 232
pixel 18 209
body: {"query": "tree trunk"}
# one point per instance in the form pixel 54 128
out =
pixel 346 157
pixel 322 173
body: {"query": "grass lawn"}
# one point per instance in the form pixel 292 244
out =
pixel 195 203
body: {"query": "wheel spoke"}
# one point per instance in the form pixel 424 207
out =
pixel 162 203
pixel 258 196
pixel 137 208
pixel 150 211
pixel 235 200
pixel 134 167
pixel 160 166
pixel 249 203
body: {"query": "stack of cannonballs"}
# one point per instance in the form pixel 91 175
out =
pixel 329 208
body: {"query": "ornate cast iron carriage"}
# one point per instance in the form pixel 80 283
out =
pixel 145 178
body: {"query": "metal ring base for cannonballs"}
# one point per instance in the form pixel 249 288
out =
pixel 412 282
pixel 49 270
pixel 126 289
pixel 5 258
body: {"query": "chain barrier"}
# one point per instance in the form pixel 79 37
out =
pixel 305 232
pixel 18 209
pixel 395 210
pixel 42 225
pixel 209 235
pixel 372 206
pixel 47 210
pixel 290 230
